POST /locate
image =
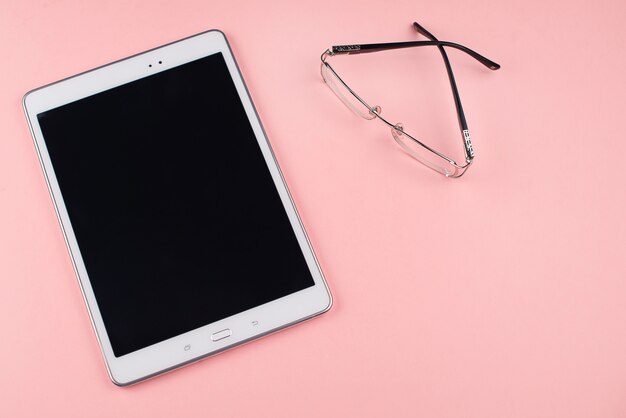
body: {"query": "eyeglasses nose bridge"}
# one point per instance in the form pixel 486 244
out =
pixel 375 111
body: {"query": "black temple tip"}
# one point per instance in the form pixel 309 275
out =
pixel 421 30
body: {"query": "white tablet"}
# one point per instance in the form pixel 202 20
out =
pixel 179 224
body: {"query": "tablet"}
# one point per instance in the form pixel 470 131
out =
pixel 179 224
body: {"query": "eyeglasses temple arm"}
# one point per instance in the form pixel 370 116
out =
pixel 367 48
pixel 469 151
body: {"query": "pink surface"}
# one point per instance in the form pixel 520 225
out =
pixel 501 294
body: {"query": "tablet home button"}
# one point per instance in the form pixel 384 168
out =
pixel 220 335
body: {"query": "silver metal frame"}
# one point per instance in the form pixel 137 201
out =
pixel 459 170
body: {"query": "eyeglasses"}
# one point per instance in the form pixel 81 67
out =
pixel 426 155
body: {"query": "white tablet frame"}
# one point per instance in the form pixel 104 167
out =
pixel 197 344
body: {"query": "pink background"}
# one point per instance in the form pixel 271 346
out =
pixel 501 294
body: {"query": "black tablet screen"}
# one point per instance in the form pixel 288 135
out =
pixel 176 215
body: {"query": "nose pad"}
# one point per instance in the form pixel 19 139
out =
pixel 399 129
pixel 375 110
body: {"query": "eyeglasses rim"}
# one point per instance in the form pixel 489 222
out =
pixel 459 169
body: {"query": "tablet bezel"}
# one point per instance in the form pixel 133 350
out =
pixel 197 344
